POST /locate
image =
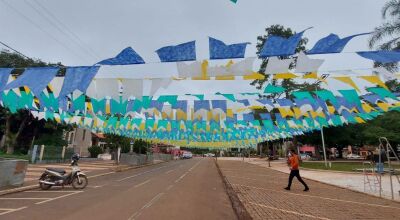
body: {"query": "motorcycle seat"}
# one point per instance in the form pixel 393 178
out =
pixel 60 171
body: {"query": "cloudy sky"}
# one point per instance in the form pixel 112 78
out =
pixel 77 32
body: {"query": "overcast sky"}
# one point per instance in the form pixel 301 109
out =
pixel 99 29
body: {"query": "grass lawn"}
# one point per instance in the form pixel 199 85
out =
pixel 339 166
pixel 14 156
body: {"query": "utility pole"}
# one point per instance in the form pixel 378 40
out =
pixel 323 145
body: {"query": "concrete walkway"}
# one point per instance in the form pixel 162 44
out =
pixel 348 180
pixel 260 190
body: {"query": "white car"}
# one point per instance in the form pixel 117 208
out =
pixel 187 155
pixel 305 156
pixel 209 155
pixel 353 156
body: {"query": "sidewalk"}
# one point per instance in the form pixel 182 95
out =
pixel 353 181
pixel 261 192
pixel 92 168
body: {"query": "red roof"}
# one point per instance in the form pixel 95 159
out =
pixel 99 135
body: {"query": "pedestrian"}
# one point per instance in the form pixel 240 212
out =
pixel 293 162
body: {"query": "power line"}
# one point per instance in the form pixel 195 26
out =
pixel 40 28
pixel 76 41
pixel 16 51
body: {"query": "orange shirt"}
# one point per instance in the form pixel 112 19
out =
pixel 294 162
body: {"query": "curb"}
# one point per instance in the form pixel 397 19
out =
pixel 237 205
pixel 30 187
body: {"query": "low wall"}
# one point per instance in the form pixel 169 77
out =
pixel 135 159
pixel 163 157
pixel 12 172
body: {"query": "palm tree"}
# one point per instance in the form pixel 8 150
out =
pixel 387 35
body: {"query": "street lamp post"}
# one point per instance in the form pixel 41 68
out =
pixel 323 145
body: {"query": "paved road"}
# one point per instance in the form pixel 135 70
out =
pixel 185 189
pixel 261 191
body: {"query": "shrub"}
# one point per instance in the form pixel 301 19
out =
pixel 95 151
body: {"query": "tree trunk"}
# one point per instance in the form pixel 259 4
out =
pixel 13 140
pixel 7 134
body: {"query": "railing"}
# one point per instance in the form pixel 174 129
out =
pixel 50 154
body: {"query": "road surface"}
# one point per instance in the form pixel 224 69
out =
pixel 184 189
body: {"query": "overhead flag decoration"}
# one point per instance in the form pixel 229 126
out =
pixel 76 78
pixel 331 44
pixel 125 57
pixel 234 1
pixel 374 80
pixel 274 89
pixel 348 81
pixel 4 75
pixel 30 78
pixel 219 50
pixel 205 118
pixel 384 56
pixel 181 52
pixel 306 65
pixel 275 65
pixel 280 46
pixel 189 70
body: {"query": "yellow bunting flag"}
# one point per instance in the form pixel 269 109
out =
pixel 359 120
pixel 285 76
pixel 254 76
pixel 348 81
pixel 312 75
pixel 225 77
pixel 374 80
pixel 367 108
pixel 204 75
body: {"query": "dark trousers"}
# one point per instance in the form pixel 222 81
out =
pixel 296 173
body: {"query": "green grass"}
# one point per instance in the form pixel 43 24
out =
pixel 339 166
pixel 14 156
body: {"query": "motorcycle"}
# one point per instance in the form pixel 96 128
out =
pixel 56 177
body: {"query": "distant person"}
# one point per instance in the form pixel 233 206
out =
pixel 293 162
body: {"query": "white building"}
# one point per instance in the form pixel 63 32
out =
pixel 80 139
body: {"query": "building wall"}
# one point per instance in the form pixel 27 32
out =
pixel 80 139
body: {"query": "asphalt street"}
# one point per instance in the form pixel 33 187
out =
pixel 183 189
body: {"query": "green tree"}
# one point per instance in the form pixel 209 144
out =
pixel 276 30
pixel 387 35
pixel 18 129
pixel 289 84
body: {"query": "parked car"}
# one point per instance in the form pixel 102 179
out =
pixel 187 155
pixel 305 156
pixel 353 156
pixel 209 155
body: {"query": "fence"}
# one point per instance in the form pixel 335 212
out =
pixel 50 154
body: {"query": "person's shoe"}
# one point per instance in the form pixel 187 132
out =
pixel 306 189
pixel 287 188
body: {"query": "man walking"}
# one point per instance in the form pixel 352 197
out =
pixel 293 162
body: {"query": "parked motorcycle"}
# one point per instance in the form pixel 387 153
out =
pixel 56 177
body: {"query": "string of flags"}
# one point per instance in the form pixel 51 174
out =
pixel 274 46
pixel 209 119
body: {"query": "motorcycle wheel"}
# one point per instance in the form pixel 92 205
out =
pixel 79 185
pixel 44 186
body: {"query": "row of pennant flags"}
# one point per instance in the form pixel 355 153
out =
pixel 210 119
pixel 274 46
pixel 198 120
pixel 221 121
